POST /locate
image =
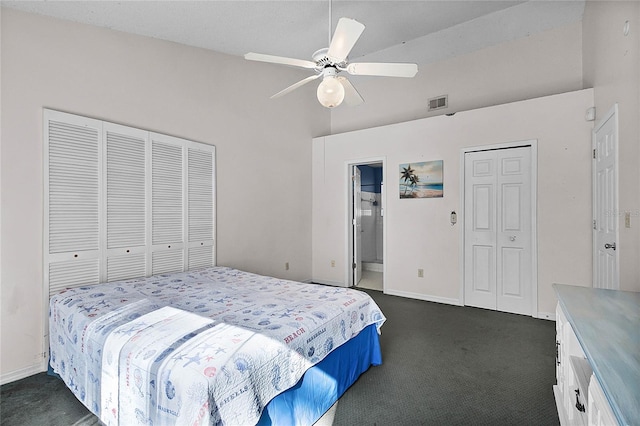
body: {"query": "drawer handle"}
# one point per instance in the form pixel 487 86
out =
pixel 579 406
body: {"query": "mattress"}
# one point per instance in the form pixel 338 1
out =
pixel 212 346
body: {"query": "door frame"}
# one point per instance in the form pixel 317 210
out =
pixel 533 143
pixel 612 113
pixel 348 272
pixel 356 227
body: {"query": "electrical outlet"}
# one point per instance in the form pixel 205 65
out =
pixel 333 263
pixel 627 219
pixel 420 273
pixel 286 266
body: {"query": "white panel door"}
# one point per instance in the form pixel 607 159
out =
pixel 498 256
pixel 357 226
pixel 605 203
pixel 514 251
pixel 480 229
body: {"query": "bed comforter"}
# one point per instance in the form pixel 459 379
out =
pixel 212 346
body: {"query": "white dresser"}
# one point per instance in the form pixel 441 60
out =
pixel 597 356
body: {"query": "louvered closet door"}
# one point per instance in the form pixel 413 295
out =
pixel 123 203
pixel 200 205
pixel 72 200
pixel 167 204
pixel 125 232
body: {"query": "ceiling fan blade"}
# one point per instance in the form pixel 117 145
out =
pixel 347 32
pixel 382 69
pixel 279 60
pixel 351 95
pixel 295 86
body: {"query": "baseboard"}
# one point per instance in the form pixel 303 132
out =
pixel 12 376
pixel 326 282
pixel 447 301
pixel 425 297
pixel 547 316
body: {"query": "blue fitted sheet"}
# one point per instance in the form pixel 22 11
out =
pixel 322 385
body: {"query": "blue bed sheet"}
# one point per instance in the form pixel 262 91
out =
pixel 322 385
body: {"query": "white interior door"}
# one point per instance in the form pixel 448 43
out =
pixel 605 202
pixel 480 229
pixel 357 225
pixel 498 253
pixel 514 251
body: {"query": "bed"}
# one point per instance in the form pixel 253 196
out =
pixel 212 346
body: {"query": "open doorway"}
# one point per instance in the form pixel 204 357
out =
pixel 367 225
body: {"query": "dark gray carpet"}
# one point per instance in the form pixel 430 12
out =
pixel 450 365
pixel 42 400
pixel 442 365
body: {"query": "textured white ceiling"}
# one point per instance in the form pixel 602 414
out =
pixel 406 31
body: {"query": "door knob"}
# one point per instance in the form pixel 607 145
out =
pixel 512 238
pixel 610 246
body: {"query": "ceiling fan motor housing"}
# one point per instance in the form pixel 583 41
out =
pixel 322 60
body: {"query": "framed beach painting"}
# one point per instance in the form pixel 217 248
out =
pixel 422 180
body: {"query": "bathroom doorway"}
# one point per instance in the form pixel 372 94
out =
pixel 368 226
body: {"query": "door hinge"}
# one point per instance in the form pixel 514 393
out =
pixel 355 266
pixel 594 224
pixel 594 153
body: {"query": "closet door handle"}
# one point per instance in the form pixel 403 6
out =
pixel 580 407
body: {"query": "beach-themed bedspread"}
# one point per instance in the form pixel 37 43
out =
pixel 212 346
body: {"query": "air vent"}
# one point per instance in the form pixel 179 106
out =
pixel 438 103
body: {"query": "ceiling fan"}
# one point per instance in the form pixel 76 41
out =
pixel 328 62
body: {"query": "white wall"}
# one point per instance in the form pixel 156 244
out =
pixel 612 67
pixel 539 65
pixel 593 53
pixel 263 148
pixel 371 227
pixel 417 231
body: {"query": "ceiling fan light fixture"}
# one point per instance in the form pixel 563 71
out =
pixel 327 62
pixel 330 91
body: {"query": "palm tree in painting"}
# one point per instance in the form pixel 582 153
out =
pixel 414 182
pixel 406 175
